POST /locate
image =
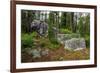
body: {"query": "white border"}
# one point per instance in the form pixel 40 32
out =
pixel 20 65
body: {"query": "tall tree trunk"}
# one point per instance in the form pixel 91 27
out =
pixel 72 22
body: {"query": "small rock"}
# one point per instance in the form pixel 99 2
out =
pixel 61 58
pixel 45 52
pixel 36 53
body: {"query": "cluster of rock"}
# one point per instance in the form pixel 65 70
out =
pixel 64 37
pixel 37 53
pixel 72 41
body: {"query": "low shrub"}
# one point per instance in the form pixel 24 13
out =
pixel 26 40
pixel 53 46
pixel 65 31
pixel 33 34
pixel 87 39
pixel 50 44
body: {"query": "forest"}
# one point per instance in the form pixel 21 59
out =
pixel 54 35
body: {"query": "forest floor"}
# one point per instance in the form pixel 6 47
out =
pixel 58 55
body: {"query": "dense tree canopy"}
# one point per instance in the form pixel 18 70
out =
pixel 64 22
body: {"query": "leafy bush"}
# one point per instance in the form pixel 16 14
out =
pixel 52 37
pixel 87 39
pixel 26 40
pixel 51 34
pixel 33 34
pixel 65 31
pixel 53 46
pixel 50 44
pixel 54 41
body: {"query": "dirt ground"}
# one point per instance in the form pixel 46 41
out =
pixel 58 55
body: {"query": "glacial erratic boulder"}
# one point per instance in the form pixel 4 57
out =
pixel 72 41
pixel 64 37
pixel 41 27
pixel 75 44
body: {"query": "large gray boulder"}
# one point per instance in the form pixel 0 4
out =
pixel 64 37
pixel 75 44
pixel 72 41
pixel 41 27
